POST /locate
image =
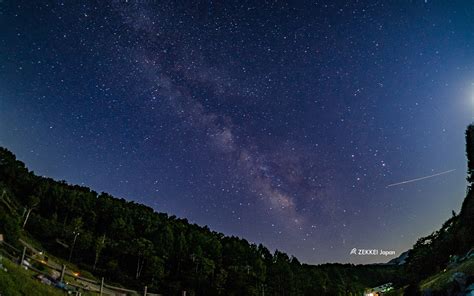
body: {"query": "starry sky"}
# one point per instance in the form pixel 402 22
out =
pixel 280 123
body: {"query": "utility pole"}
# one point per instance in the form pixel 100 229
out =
pixel 101 287
pixel 23 256
pixel 63 271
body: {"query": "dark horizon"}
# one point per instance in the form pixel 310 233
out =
pixel 279 124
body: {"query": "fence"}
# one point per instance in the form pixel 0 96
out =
pixel 80 283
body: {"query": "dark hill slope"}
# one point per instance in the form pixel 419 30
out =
pixel 431 254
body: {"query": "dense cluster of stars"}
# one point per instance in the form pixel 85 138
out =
pixel 279 123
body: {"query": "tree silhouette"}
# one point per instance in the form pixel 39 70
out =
pixel 32 203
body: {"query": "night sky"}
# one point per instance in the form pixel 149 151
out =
pixel 279 123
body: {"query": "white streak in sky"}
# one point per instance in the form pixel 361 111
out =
pixel 421 178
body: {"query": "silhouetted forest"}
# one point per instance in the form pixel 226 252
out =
pixel 132 244
pixel 432 253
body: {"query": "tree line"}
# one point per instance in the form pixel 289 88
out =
pixel 132 244
pixel 431 254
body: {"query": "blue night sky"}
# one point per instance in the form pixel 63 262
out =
pixel 280 123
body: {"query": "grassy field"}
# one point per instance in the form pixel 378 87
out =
pixel 440 280
pixel 18 281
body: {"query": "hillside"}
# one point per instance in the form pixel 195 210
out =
pixel 432 255
pixel 135 246
pixel 131 244
pixel 444 278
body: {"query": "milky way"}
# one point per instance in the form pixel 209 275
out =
pixel 278 123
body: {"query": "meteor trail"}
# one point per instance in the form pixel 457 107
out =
pixel 421 178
